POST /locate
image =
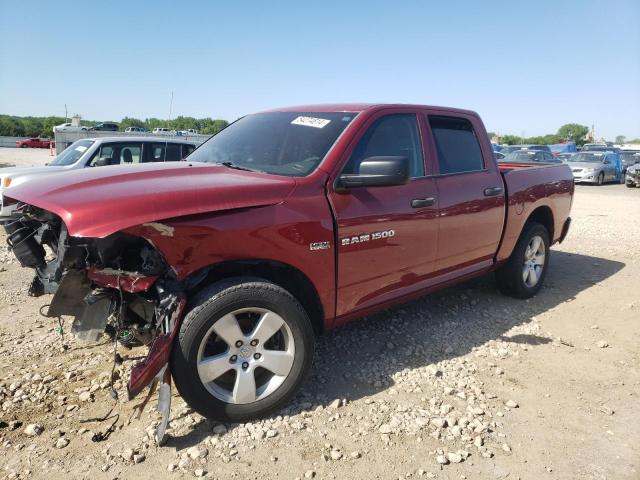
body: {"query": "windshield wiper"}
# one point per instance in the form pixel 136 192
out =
pixel 237 167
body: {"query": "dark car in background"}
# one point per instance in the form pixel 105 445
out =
pixel 105 127
pixel 512 148
pixel 628 159
pixel 530 156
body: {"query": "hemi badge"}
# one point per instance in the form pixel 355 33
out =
pixel 319 246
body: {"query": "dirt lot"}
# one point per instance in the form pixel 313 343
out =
pixel 24 157
pixel 461 384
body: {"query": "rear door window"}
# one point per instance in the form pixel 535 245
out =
pixel 119 153
pixel 164 152
pixel 130 153
pixel 456 144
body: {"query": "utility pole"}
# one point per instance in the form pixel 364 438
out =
pixel 170 105
pixel 66 116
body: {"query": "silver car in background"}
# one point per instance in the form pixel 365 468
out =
pixel 96 152
pixel 594 167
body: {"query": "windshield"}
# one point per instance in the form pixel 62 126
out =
pixel 587 157
pixel 280 143
pixel 72 153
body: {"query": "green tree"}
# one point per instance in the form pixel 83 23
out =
pixel 573 132
pixel 13 126
pixel 620 139
pixel 131 122
pixel 511 139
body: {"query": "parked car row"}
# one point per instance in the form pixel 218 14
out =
pixel 595 163
pixel 114 127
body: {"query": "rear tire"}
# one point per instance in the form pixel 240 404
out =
pixel 523 274
pixel 243 350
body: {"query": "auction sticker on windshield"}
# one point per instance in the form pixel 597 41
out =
pixel 311 122
pixel 81 148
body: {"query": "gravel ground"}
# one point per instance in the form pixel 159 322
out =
pixel 464 383
pixel 24 157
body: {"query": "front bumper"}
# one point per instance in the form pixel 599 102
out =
pixel 633 178
pixel 586 178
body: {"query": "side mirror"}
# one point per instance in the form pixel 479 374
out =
pixel 377 172
pixel 607 162
pixel 103 162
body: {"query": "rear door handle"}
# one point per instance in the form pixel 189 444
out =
pixel 423 202
pixel 492 191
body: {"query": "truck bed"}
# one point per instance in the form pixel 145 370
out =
pixel 529 187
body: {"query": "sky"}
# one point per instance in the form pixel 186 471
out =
pixel 526 67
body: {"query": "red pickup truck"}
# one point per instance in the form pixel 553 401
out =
pixel 33 143
pixel 285 224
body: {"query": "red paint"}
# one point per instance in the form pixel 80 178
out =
pixel 129 281
pixel 211 214
pixel 34 143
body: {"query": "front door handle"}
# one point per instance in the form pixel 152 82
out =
pixel 423 202
pixel 492 191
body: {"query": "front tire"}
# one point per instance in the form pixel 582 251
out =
pixel 630 185
pixel 243 350
pixel 523 274
pixel 600 179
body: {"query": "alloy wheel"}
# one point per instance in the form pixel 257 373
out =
pixel 246 355
pixel 534 258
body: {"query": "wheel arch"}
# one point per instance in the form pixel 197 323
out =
pixel 286 276
pixel 544 216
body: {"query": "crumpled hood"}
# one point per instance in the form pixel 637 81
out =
pixel 96 202
pixel 634 168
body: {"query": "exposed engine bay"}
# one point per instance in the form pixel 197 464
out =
pixel 119 284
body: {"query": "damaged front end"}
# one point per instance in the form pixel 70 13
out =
pixel 119 284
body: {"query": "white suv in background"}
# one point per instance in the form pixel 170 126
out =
pixel 68 127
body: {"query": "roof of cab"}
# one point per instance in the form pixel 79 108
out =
pixel 361 107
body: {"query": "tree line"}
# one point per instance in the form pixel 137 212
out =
pixel 571 132
pixel 15 126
